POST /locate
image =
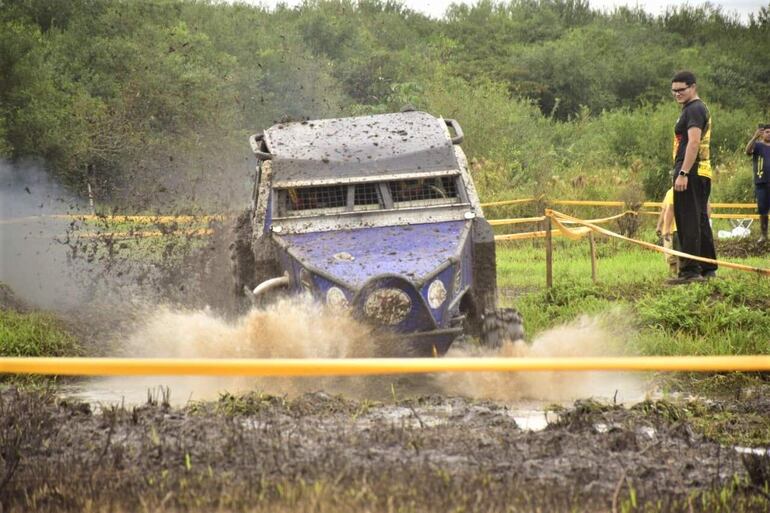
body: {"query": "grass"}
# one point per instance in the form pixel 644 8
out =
pixel 721 317
pixel 35 334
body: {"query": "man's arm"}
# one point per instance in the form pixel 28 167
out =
pixel 752 142
pixel 661 217
pixel 668 219
pixel 690 153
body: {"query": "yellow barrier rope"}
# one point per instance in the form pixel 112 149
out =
pixel 120 218
pixel 510 202
pixel 735 216
pixel 370 366
pixel 518 220
pixel 141 219
pixel 734 205
pixel 596 203
pixel 533 235
pixel 713 216
pixel 541 233
pixel 558 217
pixel 133 234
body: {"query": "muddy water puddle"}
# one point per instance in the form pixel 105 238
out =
pixel 101 394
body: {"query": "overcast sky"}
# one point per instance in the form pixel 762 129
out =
pixel 436 8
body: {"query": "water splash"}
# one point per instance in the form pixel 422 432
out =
pixel 602 335
pixel 290 328
pixel 301 328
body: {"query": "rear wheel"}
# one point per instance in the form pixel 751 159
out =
pixel 242 262
pixel 499 325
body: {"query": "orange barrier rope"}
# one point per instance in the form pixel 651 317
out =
pixel 370 366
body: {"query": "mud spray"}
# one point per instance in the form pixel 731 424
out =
pixel 302 328
pixel 601 335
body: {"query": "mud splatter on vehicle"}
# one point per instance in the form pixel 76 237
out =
pixel 379 215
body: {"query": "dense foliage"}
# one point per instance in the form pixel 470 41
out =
pixel 158 96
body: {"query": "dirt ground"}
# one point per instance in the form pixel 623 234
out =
pixel 320 452
pixel 326 453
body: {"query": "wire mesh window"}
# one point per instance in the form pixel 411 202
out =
pixel 367 197
pixel 311 200
pixel 440 190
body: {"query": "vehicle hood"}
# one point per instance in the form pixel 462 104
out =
pixel 352 257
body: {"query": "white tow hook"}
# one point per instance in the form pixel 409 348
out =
pixel 266 286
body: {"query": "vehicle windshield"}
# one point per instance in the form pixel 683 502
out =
pixel 390 195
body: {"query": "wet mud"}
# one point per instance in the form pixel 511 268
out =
pixel 319 452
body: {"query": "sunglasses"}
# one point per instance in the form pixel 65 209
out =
pixel 680 90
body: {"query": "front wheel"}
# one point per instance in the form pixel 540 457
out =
pixel 499 325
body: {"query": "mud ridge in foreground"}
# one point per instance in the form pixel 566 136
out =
pixel 324 453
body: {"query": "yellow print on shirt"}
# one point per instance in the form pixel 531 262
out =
pixel 704 152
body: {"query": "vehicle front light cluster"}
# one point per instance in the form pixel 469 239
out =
pixel 336 299
pixel 436 294
pixel 388 306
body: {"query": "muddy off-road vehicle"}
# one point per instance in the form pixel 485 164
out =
pixel 377 215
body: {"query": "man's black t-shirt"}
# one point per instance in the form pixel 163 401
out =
pixel 694 114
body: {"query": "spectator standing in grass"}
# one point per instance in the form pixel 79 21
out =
pixel 666 230
pixel 692 180
pixel 759 148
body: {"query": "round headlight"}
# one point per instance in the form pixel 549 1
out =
pixel 336 299
pixel 388 306
pixel 436 294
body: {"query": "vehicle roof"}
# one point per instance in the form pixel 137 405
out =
pixel 359 148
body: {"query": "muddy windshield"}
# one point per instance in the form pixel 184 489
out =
pixel 394 194
pixel 440 190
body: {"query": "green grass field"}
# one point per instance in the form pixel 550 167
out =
pixel 725 316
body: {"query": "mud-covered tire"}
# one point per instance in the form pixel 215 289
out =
pixel 501 324
pixel 242 264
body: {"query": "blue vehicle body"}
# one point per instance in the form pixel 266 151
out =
pixel 410 258
pixel 381 220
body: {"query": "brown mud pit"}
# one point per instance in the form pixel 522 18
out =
pixel 326 453
pixel 742 248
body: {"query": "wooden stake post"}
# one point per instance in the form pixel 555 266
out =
pixel 548 254
pixel 592 242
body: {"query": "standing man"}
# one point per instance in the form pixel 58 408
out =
pixel 759 147
pixel 692 180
